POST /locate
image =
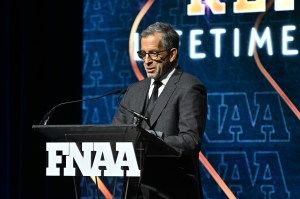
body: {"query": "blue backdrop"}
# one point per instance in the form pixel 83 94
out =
pixel 252 132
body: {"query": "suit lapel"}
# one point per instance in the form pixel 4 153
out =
pixel 165 96
pixel 142 93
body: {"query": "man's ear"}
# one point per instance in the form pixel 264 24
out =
pixel 173 54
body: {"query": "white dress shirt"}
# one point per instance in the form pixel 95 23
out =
pixel 164 81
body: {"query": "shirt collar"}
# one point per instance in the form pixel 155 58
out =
pixel 166 78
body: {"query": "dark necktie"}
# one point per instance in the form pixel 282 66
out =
pixel 153 98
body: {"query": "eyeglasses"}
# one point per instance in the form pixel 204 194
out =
pixel 153 54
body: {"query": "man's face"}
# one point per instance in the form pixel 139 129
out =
pixel 156 68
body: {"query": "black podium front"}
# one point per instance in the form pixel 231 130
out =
pixel 145 144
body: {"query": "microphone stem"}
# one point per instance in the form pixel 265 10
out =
pixel 48 115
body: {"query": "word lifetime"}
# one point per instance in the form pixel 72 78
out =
pixel 198 7
pixel 219 35
pixel 97 159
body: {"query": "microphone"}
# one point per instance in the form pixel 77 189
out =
pixel 48 115
pixel 137 115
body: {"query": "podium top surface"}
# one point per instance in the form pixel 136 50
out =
pixel 88 133
pixel 105 133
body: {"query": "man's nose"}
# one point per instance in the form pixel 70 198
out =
pixel 148 58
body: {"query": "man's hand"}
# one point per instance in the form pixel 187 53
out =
pixel 157 134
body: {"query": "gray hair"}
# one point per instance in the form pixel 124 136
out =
pixel 170 38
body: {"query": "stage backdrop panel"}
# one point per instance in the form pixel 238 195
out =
pixel 252 135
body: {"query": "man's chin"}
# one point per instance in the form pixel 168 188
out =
pixel 151 75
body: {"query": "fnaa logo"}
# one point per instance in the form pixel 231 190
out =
pixel 198 7
pixel 94 159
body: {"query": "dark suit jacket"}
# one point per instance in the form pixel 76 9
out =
pixel 180 113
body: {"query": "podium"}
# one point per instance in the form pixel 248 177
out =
pixel 145 144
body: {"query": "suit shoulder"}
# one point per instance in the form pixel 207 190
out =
pixel 139 84
pixel 190 79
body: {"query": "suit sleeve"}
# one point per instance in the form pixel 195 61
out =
pixel 192 110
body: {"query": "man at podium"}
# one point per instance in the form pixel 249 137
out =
pixel 174 104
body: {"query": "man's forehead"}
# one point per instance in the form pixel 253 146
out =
pixel 151 41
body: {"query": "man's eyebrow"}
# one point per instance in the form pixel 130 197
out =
pixel 153 50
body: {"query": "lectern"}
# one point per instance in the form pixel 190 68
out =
pixel 145 144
